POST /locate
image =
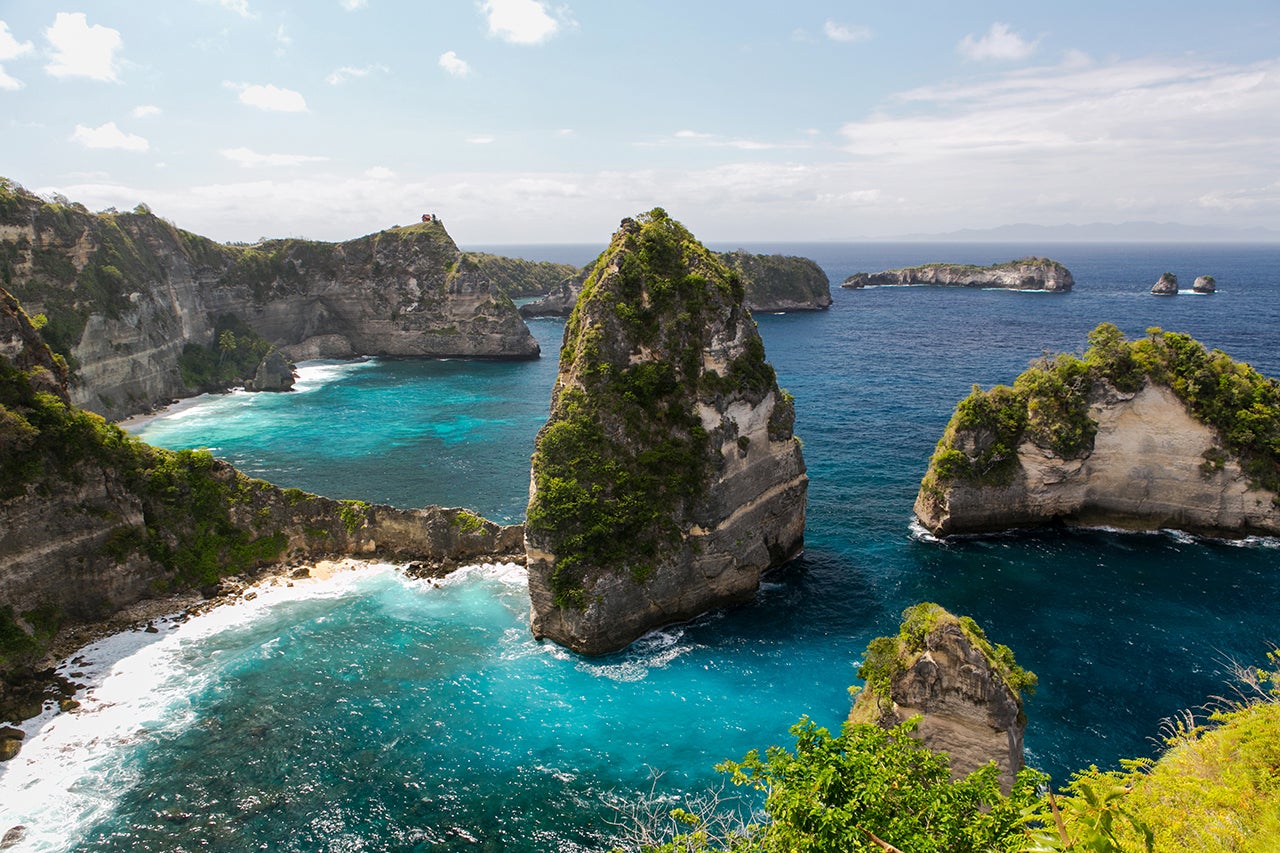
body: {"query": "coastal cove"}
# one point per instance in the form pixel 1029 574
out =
pixel 429 714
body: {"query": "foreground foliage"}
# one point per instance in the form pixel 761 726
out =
pixel 1049 405
pixel 1215 789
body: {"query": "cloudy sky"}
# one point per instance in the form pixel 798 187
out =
pixel 524 121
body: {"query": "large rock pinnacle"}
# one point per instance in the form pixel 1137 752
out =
pixel 667 479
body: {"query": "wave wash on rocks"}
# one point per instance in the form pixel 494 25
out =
pixel 667 479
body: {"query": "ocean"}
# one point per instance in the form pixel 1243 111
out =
pixel 375 712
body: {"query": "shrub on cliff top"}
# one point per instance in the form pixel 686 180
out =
pixel 1049 404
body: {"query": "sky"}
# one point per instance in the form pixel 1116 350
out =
pixel 536 121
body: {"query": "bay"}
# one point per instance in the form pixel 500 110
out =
pixel 389 715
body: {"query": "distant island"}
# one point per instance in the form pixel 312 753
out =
pixel 1024 274
pixel 773 284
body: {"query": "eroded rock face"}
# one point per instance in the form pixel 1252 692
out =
pixel 1166 285
pixel 560 301
pixel 91 521
pixel 1027 274
pixel 667 479
pixel 968 709
pixel 125 293
pixel 274 373
pixel 1204 284
pixel 1152 467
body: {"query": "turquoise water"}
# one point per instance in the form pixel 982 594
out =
pixel 377 713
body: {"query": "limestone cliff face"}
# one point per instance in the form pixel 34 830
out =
pixel 92 520
pixel 1144 435
pixel 667 479
pixel 949 674
pixel 1147 471
pixel 773 283
pixel 1026 274
pixel 125 293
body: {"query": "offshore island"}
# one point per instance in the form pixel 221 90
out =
pixel 1025 274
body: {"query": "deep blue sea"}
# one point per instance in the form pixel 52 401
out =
pixel 372 712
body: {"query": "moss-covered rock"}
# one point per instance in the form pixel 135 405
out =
pixel 1154 432
pixel 968 690
pixel 647 506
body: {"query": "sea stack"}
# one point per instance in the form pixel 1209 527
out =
pixel 967 691
pixel 1166 286
pixel 1151 434
pixel 667 479
pixel 1204 284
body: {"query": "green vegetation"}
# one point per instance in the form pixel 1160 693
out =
pixel 624 455
pixel 1215 789
pixel 886 657
pixel 974 268
pixel 119 260
pixel 354 515
pixel 517 277
pixel 232 357
pixel 467 522
pixel 1049 404
pixel 186 500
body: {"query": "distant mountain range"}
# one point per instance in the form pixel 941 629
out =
pixel 1103 232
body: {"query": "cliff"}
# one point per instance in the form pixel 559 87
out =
pixel 1144 435
pixel 667 479
pixel 772 283
pixel 967 691
pixel 1026 274
pixel 779 282
pixel 92 519
pixel 125 295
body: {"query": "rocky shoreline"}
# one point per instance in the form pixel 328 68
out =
pixel 54 683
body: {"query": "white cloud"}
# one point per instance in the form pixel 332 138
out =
pixel 146 111
pixel 1144 138
pixel 379 173
pixel 283 40
pixel 240 7
pixel 450 62
pixel 999 43
pixel 845 33
pixel 248 157
pixel 11 48
pixel 270 97
pixel 353 5
pixel 81 50
pixel 348 72
pixel 519 21
pixel 480 140
pixel 108 136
